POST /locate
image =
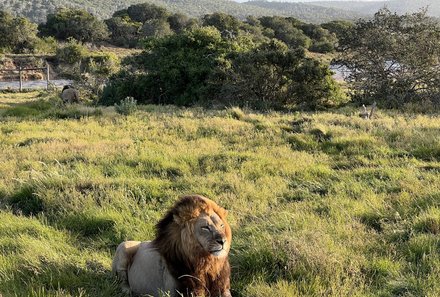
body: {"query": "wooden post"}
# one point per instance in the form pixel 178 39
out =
pixel 21 79
pixel 47 76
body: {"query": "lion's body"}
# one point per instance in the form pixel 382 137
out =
pixel 189 254
pixel 144 263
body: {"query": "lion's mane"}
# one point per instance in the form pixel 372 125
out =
pixel 197 271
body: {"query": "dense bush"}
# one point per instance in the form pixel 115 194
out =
pixel 68 23
pixel 124 31
pixel 129 26
pixel 286 30
pixel 71 53
pixel 203 67
pixel 272 75
pixel 18 34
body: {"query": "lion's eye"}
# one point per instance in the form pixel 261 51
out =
pixel 222 226
pixel 206 228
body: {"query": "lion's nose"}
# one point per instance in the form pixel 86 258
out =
pixel 221 241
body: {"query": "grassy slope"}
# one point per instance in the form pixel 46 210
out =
pixel 322 204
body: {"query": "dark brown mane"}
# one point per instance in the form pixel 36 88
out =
pixel 197 271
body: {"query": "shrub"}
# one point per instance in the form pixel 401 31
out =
pixel 126 106
pixel 274 76
pixel 71 53
pixel 68 23
pixel 18 34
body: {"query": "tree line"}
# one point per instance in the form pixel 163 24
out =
pixel 260 62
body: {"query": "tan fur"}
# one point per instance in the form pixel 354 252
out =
pixel 190 252
pixel 70 96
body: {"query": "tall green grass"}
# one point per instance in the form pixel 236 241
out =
pixel 321 204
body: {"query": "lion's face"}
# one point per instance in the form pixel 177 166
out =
pixel 213 234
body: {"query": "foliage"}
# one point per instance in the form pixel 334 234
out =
pixel 123 31
pixel 320 203
pixel 129 26
pixel 223 22
pixel 274 76
pixel 308 12
pixel 322 40
pixel 146 11
pixel 179 22
pixel 46 45
pixel 90 70
pixel 394 59
pixel 203 67
pixel 68 23
pixel 176 68
pixel 156 28
pixel 18 34
pixel 286 30
pixel 126 106
pixel 339 28
pixel 37 10
pixel 71 53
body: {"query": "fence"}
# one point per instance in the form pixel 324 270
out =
pixel 20 71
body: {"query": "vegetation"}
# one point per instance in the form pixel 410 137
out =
pixel 18 34
pixel 371 7
pixel 306 12
pixel 37 10
pixel 320 204
pixel 201 66
pixel 394 59
pixel 74 23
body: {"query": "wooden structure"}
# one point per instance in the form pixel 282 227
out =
pixel 20 71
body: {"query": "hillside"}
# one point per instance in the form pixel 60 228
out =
pixel 306 12
pixel 320 204
pixel 37 10
pixel 399 6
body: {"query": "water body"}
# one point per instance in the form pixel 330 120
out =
pixel 34 84
pixel 341 72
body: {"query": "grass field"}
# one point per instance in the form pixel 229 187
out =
pixel 322 204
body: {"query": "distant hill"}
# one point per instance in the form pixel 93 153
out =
pixel 307 12
pixel 399 6
pixel 37 10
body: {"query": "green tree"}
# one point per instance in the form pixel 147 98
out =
pixel 175 69
pixel 394 59
pixel 18 34
pixel 223 22
pixel 322 40
pixel 179 22
pixel 146 11
pixel 124 31
pixel 339 27
pixel 274 76
pixel 74 23
pixel 285 30
pixel 156 28
pixel 202 66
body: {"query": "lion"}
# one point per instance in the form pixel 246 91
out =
pixel 188 257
